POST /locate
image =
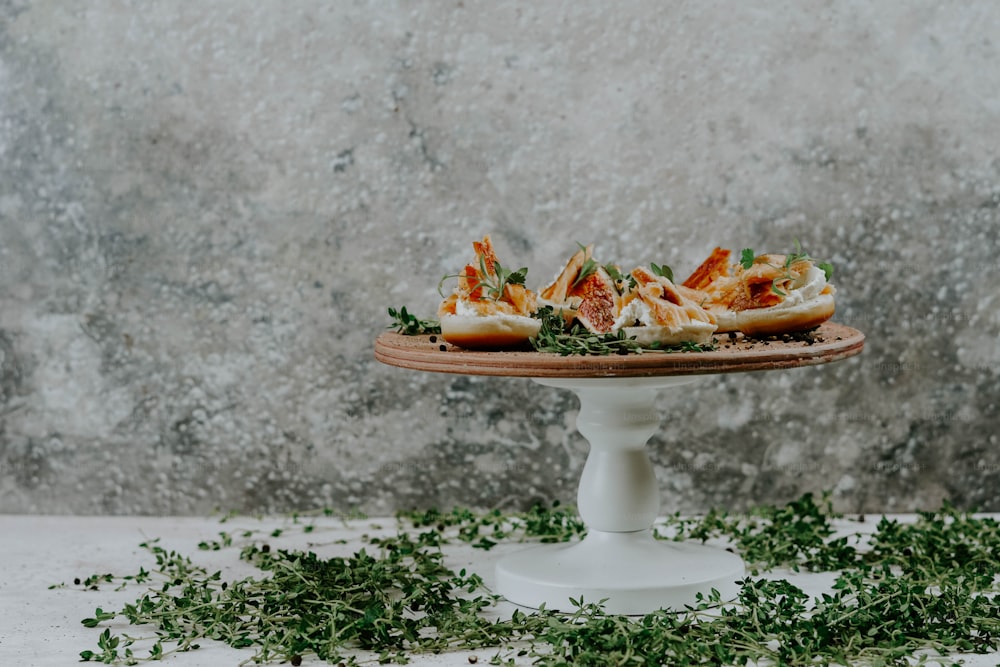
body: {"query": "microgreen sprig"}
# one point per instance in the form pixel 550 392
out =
pixel 492 282
pixel 622 281
pixel 589 267
pixel 747 258
pixel 662 270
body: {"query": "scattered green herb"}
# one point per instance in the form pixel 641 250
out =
pixel 225 540
pixel 483 531
pixel 794 536
pixel 910 592
pixel 411 325
pixel 918 589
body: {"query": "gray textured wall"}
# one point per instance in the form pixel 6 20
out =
pixel 205 209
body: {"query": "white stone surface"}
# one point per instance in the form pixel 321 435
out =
pixel 41 627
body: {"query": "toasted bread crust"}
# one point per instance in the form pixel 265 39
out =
pixel 488 333
pixel 712 268
pixel 771 321
pixel 559 290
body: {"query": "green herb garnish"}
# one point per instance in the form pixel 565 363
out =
pixel 577 340
pixel 747 259
pixel 796 256
pixel 613 271
pixel 621 279
pixel 492 283
pixel 410 325
pixel 662 270
pixel 589 266
pixel 555 337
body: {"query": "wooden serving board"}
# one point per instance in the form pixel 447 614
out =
pixel 830 342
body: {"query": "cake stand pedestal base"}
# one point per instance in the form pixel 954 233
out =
pixel 619 563
pixel 633 573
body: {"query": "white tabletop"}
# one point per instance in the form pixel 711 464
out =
pixel 40 626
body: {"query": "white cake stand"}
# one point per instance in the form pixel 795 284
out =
pixel 619 562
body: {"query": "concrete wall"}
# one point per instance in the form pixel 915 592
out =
pixel 205 209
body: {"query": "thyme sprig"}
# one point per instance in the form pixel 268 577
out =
pixel 555 337
pixel 795 536
pixel 910 592
pixel 410 325
pixel 484 531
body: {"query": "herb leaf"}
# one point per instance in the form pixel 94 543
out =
pixel 410 325
pixel 662 270
pixel 492 283
pixel 577 340
pixel 589 266
pixel 621 280
pixel 746 258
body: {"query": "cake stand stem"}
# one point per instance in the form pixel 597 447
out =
pixel 619 562
pixel 618 491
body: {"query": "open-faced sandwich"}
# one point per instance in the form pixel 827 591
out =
pixel 656 311
pixel 490 307
pixel 584 291
pixel 763 294
pixel 565 293
pixel 644 304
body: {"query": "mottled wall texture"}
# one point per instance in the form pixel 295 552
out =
pixel 205 209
